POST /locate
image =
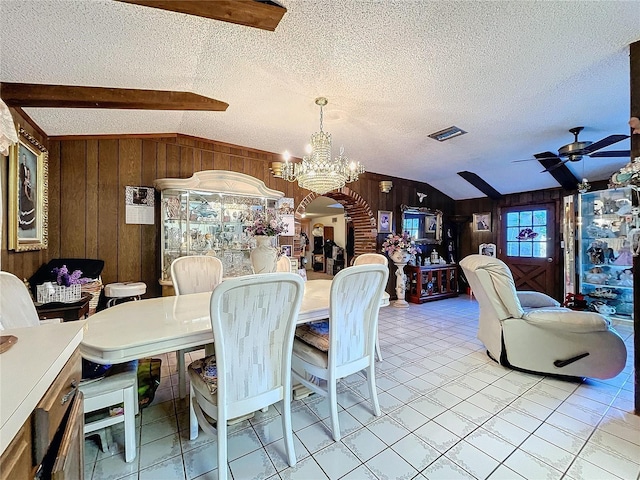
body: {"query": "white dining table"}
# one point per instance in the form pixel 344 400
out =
pixel 153 326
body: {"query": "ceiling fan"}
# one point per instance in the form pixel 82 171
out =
pixel 575 151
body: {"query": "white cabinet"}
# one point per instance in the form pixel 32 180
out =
pixel 207 214
pixel 606 228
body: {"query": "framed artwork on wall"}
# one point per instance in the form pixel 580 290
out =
pixel 482 222
pixel 28 203
pixel 385 221
pixel 286 250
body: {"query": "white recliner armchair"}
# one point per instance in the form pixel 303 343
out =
pixel 531 331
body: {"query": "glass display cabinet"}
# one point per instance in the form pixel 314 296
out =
pixel 208 214
pixel 607 233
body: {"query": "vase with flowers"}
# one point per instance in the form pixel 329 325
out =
pixel 399 247
pixel 264 227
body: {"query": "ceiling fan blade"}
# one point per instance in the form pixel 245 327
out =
pixel 559 172
pixel 538 156
pixel 612 153
pixel 543 155
pixel 550 161
pixel 524 160
pixel 605 142
pixel 553 167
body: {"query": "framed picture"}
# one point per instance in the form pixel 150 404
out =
pixel 482 222
pixel 385 221
pixel 488 249
pixel 28 194
pixel 286 250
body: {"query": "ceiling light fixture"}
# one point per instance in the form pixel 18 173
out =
pixel 317 171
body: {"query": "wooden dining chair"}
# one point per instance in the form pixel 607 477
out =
pixel 353 324
pixel 373 259
pixel 253 320
pixel 193 274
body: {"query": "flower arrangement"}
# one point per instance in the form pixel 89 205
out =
pixel 266 224
pixel 66 279
pixel 394 243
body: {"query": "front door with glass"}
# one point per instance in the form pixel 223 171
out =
pixel 527 246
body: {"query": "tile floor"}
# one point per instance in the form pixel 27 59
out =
pixel 448 412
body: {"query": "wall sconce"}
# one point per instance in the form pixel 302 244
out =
pixel 386 186
pixel 276 169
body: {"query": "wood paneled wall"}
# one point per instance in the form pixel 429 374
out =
pixel 88 176
pixel 470 240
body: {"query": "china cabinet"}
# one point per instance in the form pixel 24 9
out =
pixel 208 214
pixel 434 282
pixel 607 234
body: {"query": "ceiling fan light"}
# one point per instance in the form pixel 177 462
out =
pixel 584 186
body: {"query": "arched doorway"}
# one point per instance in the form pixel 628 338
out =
pixel 356 208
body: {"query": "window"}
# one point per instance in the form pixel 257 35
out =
pixel 412 225
pixel 527 233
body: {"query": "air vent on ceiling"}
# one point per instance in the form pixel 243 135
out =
pixel 447 133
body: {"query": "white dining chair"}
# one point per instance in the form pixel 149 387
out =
pixel 373 259
pixel 118 386
pixel 353 323
pixel 284 264
pixel 253 320
pixel 16 305
pixel 193 274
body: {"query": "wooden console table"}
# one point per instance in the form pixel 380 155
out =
pixel 432 282
pixel 67 311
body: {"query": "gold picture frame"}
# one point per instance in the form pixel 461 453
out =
pixel 28 212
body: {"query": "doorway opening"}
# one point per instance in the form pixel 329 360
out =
pixel 360 221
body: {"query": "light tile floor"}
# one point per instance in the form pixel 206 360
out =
pixel 449 412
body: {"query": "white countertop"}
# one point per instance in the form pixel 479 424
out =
pixel 29 367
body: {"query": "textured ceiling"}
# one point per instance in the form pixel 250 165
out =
pixel 515 75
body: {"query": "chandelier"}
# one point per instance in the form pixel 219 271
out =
pixel 318 172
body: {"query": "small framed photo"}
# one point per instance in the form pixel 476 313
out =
pixel 286 250
pixel 488 249
pixel 28 210
pixel 385 221
pixel 482 222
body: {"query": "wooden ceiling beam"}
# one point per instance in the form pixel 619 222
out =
pixel 265 15
pixel 481 185
pixel 68 96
